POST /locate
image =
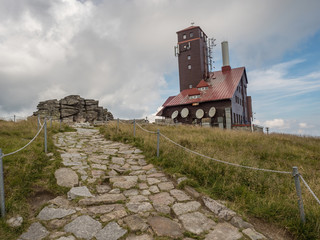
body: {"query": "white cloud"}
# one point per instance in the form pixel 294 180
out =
pixel 276 123
pixel 303 125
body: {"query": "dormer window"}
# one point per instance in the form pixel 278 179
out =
pixel 202 88
pixel 194 96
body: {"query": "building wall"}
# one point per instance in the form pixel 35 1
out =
pixel 205 106
pixel 196 48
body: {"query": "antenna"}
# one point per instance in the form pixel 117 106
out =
pixel 211 44
pixel 192 23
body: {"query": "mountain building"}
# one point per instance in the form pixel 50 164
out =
pixel 216 98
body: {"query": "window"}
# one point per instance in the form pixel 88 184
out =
pixel 202 88
pixel 194 96
pixel 189 57
pixel 234 118
pixel 190 86
pixel 184 36
pixel 189 66
pixel 191 34
pixel 201 34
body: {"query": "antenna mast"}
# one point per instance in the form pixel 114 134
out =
pixel 211 45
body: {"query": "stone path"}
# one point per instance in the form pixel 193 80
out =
pixel 115 194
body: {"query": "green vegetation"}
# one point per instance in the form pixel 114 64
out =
pixel 263 195
pixel 28 174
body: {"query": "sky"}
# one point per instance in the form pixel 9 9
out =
pixel 120 52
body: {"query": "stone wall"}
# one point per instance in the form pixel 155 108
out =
pixel 74 108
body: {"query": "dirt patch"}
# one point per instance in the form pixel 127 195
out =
pixel 270 230
pixel 39 198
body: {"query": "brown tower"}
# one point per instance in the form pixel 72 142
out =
pixel 192 54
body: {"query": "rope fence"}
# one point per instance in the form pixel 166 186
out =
pixel 2 155
pixel 294 173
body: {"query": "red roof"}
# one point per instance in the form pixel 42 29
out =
pixel 168 100
pixel 222 85
pixel 192 91
pixel 202 83
pixel 188 28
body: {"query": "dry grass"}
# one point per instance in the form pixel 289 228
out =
pixel 268 196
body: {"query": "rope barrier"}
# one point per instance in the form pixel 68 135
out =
pixel 4 155
pixel 143 129
pixel 220 161
pixel 305 183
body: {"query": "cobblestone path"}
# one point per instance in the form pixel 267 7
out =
pixel 115 194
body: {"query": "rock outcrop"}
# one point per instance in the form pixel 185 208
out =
pixel 74 108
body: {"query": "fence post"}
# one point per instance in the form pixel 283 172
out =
pixel 50 122
pixel 2 199
pixel 38 122
pixel 117 124
pixel 134 127
pixel 158 142
pixel 45 135
pixel 295 174
pixel 14 118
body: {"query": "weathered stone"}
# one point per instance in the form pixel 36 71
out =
pixel 67 238
pixel 196 222
pixel 156 175
pixel 139 207
pixel 118 160
pixel 138 198
pixel 83 227
pixel 166 186
pixel 60 201
pixel 180 195
pixel 117 213
pixel 253 235
pixel 115 191
pixel 135 223
pixel 162 208
pixel 111 232
pixel 102 199
pixel 125 182
pixel 131 192
pixel 162 198
pixel 66 177
pixel 148 167
pixel 226 214
pixel 97 173
pixel 152 181
pixel 49 213
pixel 101 209
pixel 99 166
pixel 55 235
pixel 154 189
pixel 139 237
pixel 180 180
pixel 103 188
pixel 145 192
pixel 182 208
pixel 192 192
pixel 224 231
pixel 35 232
pixel 213 205
pixel 57 223
pixel 15 221
pixel 79 192
pixel 165 227
pixel 239 223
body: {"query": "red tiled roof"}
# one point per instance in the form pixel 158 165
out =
pixel 202 83
pixel 192 91
pixel 222 85
pixel 188 28
pixel 168 100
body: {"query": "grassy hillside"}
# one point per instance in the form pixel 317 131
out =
pixel 263 195
pixel 29 174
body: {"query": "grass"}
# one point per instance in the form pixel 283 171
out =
pixel 27 172
pixel 263 195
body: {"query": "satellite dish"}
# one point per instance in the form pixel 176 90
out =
pixel 212 112
pixel 184 112
pixel 174 114
pixel 199 113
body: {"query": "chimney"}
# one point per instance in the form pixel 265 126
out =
pixel 225 56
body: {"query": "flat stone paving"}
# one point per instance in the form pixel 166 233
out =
pixel 115 194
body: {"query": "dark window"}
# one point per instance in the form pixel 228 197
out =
pixel 191 34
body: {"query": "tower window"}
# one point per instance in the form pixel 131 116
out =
pixel 184 36
pixel 191 34
pixel 189 66
pixel 189 57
